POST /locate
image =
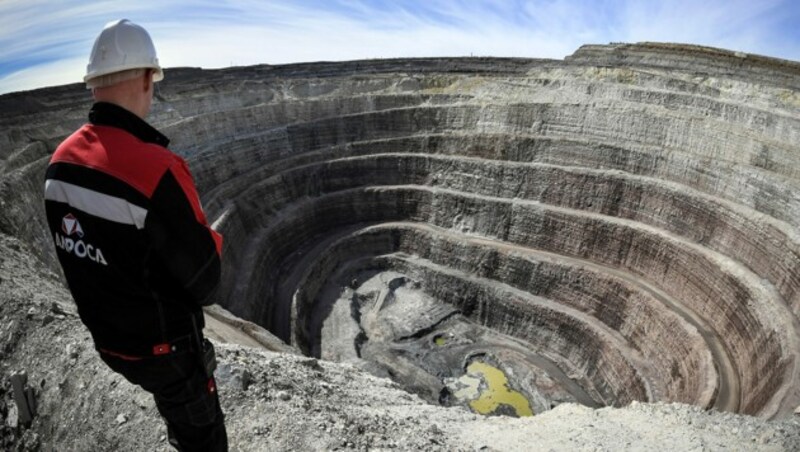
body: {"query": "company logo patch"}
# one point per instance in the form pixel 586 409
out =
pixel 71 227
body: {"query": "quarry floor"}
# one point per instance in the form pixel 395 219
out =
pixel 281 401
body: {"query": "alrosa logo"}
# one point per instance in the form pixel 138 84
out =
pixel 71 227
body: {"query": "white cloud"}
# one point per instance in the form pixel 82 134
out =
pixel 733 24
pixel 343 40
pixel 59 72
pixel 56 39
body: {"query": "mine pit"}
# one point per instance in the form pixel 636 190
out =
pixel 507 235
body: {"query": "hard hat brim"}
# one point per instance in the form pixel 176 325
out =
pixel 158 75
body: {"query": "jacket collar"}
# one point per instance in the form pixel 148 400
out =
pixel 108 114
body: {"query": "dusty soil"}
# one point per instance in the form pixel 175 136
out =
pixel 280 401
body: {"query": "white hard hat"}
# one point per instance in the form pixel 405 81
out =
pixel 122 45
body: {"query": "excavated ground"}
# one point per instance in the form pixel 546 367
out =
pixel 619 226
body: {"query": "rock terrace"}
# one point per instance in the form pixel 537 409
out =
pixel 619 226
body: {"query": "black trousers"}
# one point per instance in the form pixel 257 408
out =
pixel 186 399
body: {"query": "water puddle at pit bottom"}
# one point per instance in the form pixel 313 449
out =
pixel 486 389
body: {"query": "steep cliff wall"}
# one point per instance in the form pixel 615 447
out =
pixel 628 215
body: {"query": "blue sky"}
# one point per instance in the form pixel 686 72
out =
pixel 47 42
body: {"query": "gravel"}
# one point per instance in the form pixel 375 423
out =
pixel 277 402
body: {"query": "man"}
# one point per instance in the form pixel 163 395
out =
pixel 134 243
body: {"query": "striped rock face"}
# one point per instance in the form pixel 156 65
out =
pixel 618 226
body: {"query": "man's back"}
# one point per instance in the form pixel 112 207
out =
pixel 129 233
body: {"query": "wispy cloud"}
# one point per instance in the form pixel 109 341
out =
pixel 41 41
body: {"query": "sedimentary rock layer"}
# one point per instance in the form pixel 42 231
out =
pixel 628 214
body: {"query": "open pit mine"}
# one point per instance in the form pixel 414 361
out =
pixel 505 234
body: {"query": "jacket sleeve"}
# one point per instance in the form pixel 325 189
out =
pixel 181 238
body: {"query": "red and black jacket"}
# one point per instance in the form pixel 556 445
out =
pixel 130 234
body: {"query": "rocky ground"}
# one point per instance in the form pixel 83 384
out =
pixel 279 401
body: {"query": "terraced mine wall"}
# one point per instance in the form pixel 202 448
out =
pixel 623 222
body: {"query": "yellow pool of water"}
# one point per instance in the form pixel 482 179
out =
pixel 497 391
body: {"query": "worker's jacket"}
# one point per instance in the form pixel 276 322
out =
pixel 130 234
